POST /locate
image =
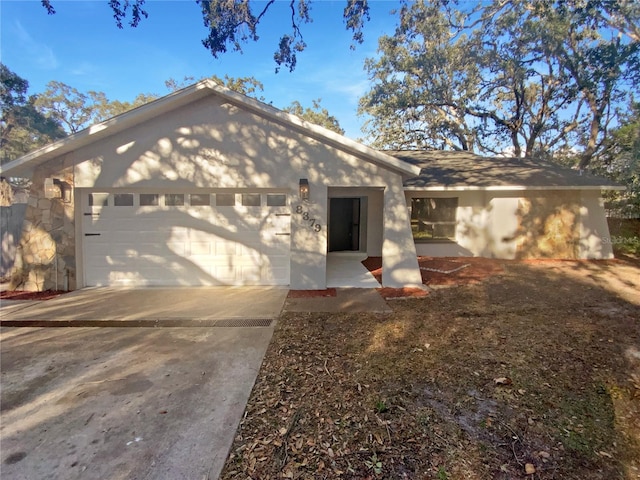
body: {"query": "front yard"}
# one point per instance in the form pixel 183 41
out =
pixel 532 373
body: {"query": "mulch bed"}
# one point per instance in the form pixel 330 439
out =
pixel 445 271
pixel 23 295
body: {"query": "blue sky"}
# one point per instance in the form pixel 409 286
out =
pixel 81 46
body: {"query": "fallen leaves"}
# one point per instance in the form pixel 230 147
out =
pixel 476 380
pixel 500 381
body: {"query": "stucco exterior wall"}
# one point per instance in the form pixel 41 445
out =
pixel 518 224
pixel 214 144
pixel 595 239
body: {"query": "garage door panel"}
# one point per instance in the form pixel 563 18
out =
pixel 250 274
pixel 277 275
pixel 204 245
pixel 179 248
pixel 200 248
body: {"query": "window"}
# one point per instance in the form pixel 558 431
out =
pixel 251 199
pixel 98 199
pixel 225 199
pixel 433 218
pixel 276 200
pixel 174 199
pixel 200 199
pixel 123 200
pixel 149 199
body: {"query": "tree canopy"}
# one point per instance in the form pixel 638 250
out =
pixel 620 161
pixel 250 86
pixel 232 23
pixel 22 126
pixel 518 76
pixel 29 122
pixel 316 114
pixel 77 110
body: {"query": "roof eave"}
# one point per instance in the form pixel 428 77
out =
pixel 320 133
pixel 500 188
pixel 26 164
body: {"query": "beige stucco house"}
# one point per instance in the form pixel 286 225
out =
pixel 208 187
pixel 463 204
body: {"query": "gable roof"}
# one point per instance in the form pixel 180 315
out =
pixel 24 165
pixel 449 170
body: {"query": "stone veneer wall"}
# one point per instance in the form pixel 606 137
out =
pixel 45 258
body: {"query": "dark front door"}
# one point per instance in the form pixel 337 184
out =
pixel 344 224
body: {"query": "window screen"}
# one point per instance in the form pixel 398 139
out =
pixel 225 199
pixel 147 199
pixel 123 200
pixel 174 199
pixel 433 218
pixel 251 199
pixel 98 199
pixel 276 200
pixel 200 199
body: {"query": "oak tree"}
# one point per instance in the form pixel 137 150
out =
pixel 22 127
pixel 232 23
pixel 517 76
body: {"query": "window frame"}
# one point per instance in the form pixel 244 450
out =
pixel 171 200
pixel 434 223
pixel 147 197
pixel 118 199
pixel 200 196
pixel 249 199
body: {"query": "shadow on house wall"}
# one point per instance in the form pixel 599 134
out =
pixel 11 218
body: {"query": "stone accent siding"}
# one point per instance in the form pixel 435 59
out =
pixel 45 257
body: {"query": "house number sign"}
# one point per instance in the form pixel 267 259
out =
pixel 316 227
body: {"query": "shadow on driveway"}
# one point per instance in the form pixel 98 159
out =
pixel 148 307
pixel 144 403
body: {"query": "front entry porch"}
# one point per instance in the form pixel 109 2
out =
pixel 345 269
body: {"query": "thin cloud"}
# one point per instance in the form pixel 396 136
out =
pixel 40 53
pixel 84 68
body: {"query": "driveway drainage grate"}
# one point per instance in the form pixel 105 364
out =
pixel 223 322
pixel 244 322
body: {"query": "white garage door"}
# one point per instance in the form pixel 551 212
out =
pixel 190 238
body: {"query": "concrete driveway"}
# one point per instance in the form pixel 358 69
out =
pixel 156 306
pixel 134 403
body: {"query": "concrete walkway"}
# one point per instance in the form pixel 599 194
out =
pixel 345 270
pixel 346 300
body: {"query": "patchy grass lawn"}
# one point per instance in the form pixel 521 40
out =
pixel 532 373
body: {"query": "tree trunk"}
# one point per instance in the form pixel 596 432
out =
pixel 592 142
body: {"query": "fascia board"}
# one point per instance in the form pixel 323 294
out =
pixel 28 162
pixel 319 133
pixel 502 188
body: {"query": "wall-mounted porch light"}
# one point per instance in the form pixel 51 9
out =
pixel 55 188
pixel 304 189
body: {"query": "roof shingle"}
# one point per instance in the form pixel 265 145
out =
pixel 465 170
